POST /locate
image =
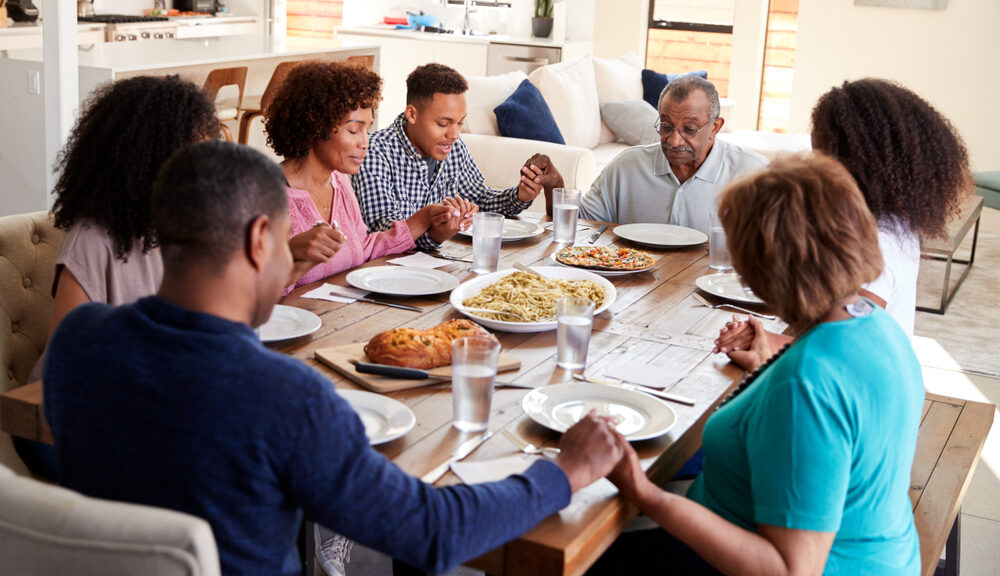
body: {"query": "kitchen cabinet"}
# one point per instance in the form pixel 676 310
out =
pixel 403 50
pixel 29 35
pixel 219 26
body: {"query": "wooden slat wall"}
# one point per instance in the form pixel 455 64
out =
pixel 779 65
pixel 676 51
pixel 314 18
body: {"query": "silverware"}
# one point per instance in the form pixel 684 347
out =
pixel 404 373
pixel 639 388
pixel 463 450
pixel 596 235
pixel 453 258
pixel 525 268
pixel 528 447
pixel 381 303
pixel 488 311
pixel 705 302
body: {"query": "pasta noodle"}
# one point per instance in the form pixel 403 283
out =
pixel 530 296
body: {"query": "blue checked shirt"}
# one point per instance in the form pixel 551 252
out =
pixel 393 182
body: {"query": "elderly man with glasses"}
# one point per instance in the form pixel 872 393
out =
pixel 677 180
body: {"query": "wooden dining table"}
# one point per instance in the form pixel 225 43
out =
pixel 654 321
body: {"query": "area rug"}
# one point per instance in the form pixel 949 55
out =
pixel 967 336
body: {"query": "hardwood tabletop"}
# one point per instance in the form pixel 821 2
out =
pixel 654 321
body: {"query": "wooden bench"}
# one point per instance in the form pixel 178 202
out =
pixel 952 434
pixel 943 250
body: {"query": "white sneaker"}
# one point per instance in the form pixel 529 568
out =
pixel 333 551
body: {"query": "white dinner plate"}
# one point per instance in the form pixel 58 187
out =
pixel 514 230
pixel 402 280
pixel 728 286
pixel 473 287
pixel 609 273
pixel 384 419
pixel 661 235
pixel 287 322
pixel 638 416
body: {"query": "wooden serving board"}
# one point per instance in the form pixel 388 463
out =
pixel 339 358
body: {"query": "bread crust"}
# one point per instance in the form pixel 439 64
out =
pixel 423 349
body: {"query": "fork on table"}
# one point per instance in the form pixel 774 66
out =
pixel 528 447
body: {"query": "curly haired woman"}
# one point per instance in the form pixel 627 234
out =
pixel 319 124
pixel 106 170
pixel 913 170
pixel 807 464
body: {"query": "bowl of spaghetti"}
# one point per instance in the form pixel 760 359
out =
pixel 530 297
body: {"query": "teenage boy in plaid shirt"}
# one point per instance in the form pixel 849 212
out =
pixel 420 160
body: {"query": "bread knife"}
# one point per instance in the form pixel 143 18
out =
pixel 404 373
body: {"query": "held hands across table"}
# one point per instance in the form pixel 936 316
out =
pixel 457 217
pixel 537 174
pixel 589 450
pixel 317 244
pixel 746 342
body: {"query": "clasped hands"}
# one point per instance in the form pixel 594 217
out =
pixel 537 174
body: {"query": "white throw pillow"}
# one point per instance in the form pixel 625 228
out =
pixel 618 79
pixel 570 91
pixel 486 93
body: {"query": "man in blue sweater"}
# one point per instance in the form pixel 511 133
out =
pixel 174 402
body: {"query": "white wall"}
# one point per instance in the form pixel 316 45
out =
pixel 620 27
pixel 947 56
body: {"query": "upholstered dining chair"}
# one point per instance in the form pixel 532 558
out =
pixel 28 246
pixel 46 529
pixel 227 110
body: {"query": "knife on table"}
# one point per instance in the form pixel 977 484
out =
pixel 463 450
pixel 593 237
pixel 415 373
pixel 639 388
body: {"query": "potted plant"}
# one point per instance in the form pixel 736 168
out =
pixel 541 24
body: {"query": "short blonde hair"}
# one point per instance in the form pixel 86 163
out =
pixel 801 236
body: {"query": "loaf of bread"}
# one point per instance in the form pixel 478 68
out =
pixel 423 349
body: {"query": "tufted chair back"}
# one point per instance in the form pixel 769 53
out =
pixel 28 246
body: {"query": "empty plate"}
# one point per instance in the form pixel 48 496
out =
pixel 514 230
pixel 728 286
pixel 402 280
pixel 661 235
pixel 384 419
pixel 637 416
pixel 287 322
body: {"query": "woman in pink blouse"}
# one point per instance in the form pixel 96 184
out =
pixel 319 124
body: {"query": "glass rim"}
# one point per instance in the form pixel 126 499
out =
pixel 476 342
pixel 577 301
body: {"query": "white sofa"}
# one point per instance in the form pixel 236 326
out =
pixel 574 91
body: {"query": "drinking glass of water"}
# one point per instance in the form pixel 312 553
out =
pixel 718 252
pixel 575 318
pixel 565 206
pixel 473 368
pixel 487 232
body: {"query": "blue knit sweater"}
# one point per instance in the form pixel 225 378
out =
pixel 154 404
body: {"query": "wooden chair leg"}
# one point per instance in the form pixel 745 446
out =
pixel 226 133
pixel 245 121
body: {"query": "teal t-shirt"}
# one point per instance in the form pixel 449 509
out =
pixel 824 441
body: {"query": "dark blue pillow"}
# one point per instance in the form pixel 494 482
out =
pixel 524 114
pixel 653 83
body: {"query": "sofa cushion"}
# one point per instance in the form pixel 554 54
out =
pixel 617 79
pixel 631 120
pixel 570 90
pixel 524 114
pixel 653 83
pixel 486 93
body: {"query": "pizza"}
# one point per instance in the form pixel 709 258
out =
pixel 605 258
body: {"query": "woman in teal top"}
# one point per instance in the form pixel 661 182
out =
pixel 807 466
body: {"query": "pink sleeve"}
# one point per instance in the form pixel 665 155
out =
pixel 376 244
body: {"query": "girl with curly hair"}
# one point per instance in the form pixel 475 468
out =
pixel 913 170
pixel 319 123
pixel 108 251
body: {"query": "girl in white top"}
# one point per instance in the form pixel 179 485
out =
pixel 913 170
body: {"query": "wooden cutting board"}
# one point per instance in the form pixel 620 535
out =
pixel 339 358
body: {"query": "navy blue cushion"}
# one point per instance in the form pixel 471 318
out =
pixel 524 114
pixel 653 83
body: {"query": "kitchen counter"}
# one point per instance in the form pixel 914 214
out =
pixel 393 32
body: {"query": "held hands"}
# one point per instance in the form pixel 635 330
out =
pixel 429 217
pixel 628 475
pixel 459 217
pixel 537 174
pixel 316 245
pixel 589 450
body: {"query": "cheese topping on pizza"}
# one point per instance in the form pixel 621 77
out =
pixel 605 258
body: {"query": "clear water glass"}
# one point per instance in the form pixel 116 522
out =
pixel 565 207
pixel 473 369
pixel 574 322
pixel 487 235
pixel 718 252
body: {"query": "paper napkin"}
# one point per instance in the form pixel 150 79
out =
pixel 420 260
pixel 652 376
pixel 335 293
pixel 491 470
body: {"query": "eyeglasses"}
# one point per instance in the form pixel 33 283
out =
pixel 686 132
